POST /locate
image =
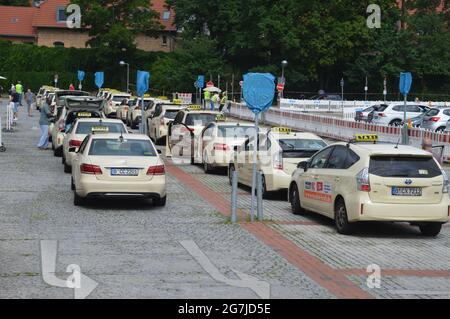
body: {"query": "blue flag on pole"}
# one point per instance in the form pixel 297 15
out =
pixel 259 91
pixel 143 82
pixel 99 79
pixel 81 75
pixel 405 82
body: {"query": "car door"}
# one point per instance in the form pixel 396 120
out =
pixel 311 186
pixel 337 178
pixel 205 140
pixel 175 131
pixel 77 161
pixel 154 122
pixel 244 162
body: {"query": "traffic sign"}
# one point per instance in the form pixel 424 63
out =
pixel 209 84
pixel 405 82
pixel 280 87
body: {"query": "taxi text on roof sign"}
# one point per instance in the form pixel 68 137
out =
pixel 100 129
pixel 281 130
pixel 84 114
pixel 177 101
pixel 195 107
pixel 366 137
pixel 221 118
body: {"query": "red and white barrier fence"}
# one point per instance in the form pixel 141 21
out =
pixel 340 129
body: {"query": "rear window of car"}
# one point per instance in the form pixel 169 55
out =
pixel 200 119
pixel 300 148
pixel 86 128
pixel 432 112
pixel 380 108
pixel 404 166
pixel 119 98
pixel 170 114
pixel 447 112
pixel 116 147
pixel 72 116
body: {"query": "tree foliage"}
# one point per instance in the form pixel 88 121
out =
pixel 22 3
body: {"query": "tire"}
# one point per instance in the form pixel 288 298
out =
pixel 231 169
pixel 160 202
pixel 265 193
pixel 206 167
pixel 294 197
pixel 341 219
pixel 72 185
pixel 67 169
pixel 57 152
pixel 77 200
pixel 63 159
pixel 396 123
pixel 430 229
pixel 441 129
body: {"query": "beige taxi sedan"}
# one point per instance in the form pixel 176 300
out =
pixel 279 152
pixel 118 165
pixel 82 128
pixel 367 181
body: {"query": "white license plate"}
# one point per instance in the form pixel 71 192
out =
pixel 407 191
pixel 124 172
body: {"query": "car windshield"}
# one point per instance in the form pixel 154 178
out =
pixel 404 166
pixel 236 132
pixel 380 108
pixel 289 145
pixel 432 112
pixel 200 119
pixel 170 114
pixel 118 147
pixel 87 127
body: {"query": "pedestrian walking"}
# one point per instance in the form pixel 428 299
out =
pixel 44 122
pixel 207 99
pixel 427 145
pixel 215 100
pixel 14 99
pixel 71 87
pixel 223 101
pixel 30 99
pixel 19 90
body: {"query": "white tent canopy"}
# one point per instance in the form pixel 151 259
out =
pixel 213 89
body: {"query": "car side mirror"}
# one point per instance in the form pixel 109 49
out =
pixel 72 149
pixel 303 165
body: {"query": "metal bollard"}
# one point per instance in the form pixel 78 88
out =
pixel 234 190
pixel 260 209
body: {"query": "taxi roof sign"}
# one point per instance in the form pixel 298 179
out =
pixel 281 130
pixel 177 101
pixel 100 129
pixel 366 138
pixel 221 118
pixel 194 107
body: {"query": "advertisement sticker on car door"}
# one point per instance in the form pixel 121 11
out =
pixel 320 191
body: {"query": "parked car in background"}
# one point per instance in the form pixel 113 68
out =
pixel 393 114
pixel 417 121
pixel 327 97
pixel 363 115
pixel 436 120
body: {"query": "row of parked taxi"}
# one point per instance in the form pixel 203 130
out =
pixel 361 180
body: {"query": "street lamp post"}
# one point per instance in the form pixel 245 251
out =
pixel 122 63
pixel 284 64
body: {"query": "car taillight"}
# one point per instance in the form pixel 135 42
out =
pixel 156 170
pixel 91 169
pixel 221 147
pixel 446 183
pixel 278 161
pixel 381 115
pixel 75 143
pixel 435 119
pixel 362 180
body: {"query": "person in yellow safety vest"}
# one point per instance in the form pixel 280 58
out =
pixel 223 101
pixel 215 101
pixel 207 98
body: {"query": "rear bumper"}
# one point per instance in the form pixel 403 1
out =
pixel 369 211
pixel 89 186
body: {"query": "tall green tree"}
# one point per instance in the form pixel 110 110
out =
pixel 22 3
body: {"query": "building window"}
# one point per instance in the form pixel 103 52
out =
pixel 58 44
pixel 166 15
pixel 61 14
pixel 164 40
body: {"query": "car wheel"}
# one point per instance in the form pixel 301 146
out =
pixel 77 200
pixel 231 170
pixel 294 197
pixel 57 152
pixel 265 193
pixel 160 202
pixel 206 167
pixel 67 169
pixel 440 130
pixel 63 159
pixel 430 229
pixel 72 184
pixel 341 218
pixel 396 123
